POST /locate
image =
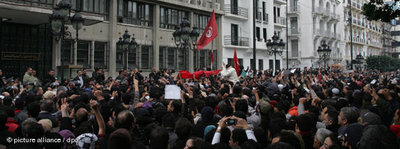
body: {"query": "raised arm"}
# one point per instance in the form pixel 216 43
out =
pixel 95 108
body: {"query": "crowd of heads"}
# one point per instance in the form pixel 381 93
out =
pixel 283 109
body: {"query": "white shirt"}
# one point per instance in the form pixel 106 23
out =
pixel 230 74
pixel 80 81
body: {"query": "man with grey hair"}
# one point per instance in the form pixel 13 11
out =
pixel 347 116
pixel 46 109
pixel 320 136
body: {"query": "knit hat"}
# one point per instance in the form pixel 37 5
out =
pixel 208 129
pixel 67 136
pixel 335 91
pixel 272 103
pixel 49 95
pixel 353 134
pixel 280 86
pixel 264 107
pixel 86 141
pixel 370 118
pixel 356 93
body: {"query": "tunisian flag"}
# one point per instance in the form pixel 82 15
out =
pixel 209 33
pixel 236 63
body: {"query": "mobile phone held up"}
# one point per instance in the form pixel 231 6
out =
pixel 231 122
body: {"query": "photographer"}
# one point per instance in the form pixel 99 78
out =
pixel 235 124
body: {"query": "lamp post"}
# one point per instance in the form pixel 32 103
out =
pixel 275 47
pixel 324 52
pixel 184 37
pixel 58 19
pixel 359 61
pixel 126 46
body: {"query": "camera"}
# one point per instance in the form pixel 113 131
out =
pixel 231 122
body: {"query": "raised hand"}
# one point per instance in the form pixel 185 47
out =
pixel 94 105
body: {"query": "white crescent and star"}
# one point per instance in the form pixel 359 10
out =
pixel 209 32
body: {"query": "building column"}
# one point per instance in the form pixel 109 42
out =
pixel 156 38
pixel 92 48
pixel 139 56
pixel 56 54
pixel 112 37
pixel 219 43
pixel 190 58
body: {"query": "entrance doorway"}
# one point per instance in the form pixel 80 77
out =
pixel 23 46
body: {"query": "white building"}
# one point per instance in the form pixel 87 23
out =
pixel 238 31
pixel 310 24
pixel 367 35
pixel 329 21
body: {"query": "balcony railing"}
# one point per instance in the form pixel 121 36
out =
pixel 334 15
pixel 35 3
pixel 371 42
pixel 239 41
pixel 295 31
pixel 280 21
pixel 294 8
pixel 318 10
pixel 357 40
pixel 239 11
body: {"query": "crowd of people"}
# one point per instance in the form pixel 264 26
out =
pixel 285 109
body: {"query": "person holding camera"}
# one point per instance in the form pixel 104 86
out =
pixel 237 125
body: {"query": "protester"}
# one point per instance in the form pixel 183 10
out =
pixel 313 108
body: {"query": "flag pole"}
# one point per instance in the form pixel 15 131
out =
pixel 212 51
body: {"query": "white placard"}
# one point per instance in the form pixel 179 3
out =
pixel 293 70
pixel 172 92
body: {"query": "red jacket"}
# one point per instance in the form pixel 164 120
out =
pixel 11 124
pixel 396 130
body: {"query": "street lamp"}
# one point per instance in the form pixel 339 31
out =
pixel 127 46
pixel 359 61
pixel 324 52
pixel 58 19
pixel 184 37
pixel 275 47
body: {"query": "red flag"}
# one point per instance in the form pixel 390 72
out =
pixel 186 74
pixel 209 33
pixel 236 63
pixel 212 57
pixel 198 74
pixel 210 73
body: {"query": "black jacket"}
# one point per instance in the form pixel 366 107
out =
pixel 48 79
